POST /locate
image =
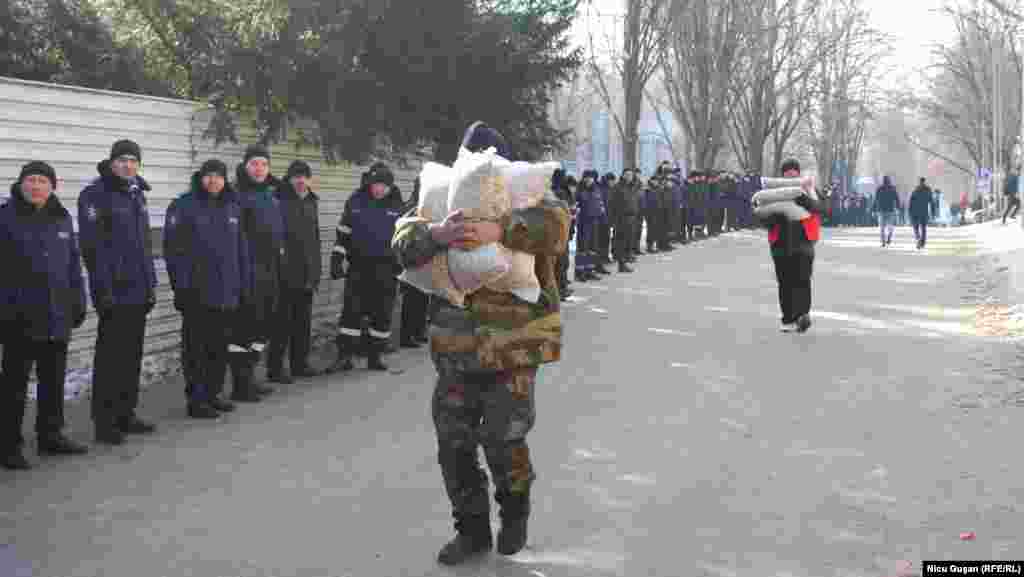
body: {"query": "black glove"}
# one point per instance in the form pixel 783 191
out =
pixel 179 302
pixel 150 303
pixel 337 265
pixel 104 306
pixel 804 202
pixel 79 318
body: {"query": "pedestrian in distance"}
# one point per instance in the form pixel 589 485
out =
pixel 887 206
pixel 1012 193
pixel 792 247
pixel 208 262
pixel 363 242
pixel 487 356
pixel 300 276
pixel 624 206
pixel 42 299
pixel 117 245
pixel 920 212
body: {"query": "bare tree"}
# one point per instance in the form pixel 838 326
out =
pixel 705 44
pixel 643 36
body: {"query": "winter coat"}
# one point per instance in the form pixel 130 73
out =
pixel 264 230
pixel 921 203
pixel 792 237
pixel 886 198
pixel 590 206
pixel 497 331
pixel 116 240
pixel 304 266
pixel 206 249
pixel 624 200
pixel 367 225
pixel 652 198
pixel 603 191
pixel 42 293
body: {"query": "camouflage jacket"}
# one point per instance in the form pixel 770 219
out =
pixel 497 331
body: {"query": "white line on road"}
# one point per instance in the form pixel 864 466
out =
pixel 672 332
pixel 717 309
pixel 682 365
pixel 597 310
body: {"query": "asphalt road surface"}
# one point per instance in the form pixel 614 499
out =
pixel 682 435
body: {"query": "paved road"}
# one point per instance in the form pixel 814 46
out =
pixel 683 435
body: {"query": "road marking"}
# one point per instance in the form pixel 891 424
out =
pixel 681 365
pixel 672 332
pixel 647 480
pixel 597 310
pixel 717 309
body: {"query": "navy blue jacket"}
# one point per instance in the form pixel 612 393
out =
pixel 886 198
pixel 113 224
pixel 590 205
pixel 921 203
pixel 42 291
pixel 304 266
pixel 263 222
pixel 367 225
pixel 206 249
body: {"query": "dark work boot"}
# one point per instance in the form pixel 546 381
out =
pixel 109 434
pixel 14 460
pixel 515 511
pixel 473 538
pixel 599 269
pixel 373 360
pixel 242 390
pixel 132 425
pixel 623 267
pixel 58 444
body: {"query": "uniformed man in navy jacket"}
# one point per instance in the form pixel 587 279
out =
pixel 364 241
pixel 117 244
pixel 208 262
pixel 42 297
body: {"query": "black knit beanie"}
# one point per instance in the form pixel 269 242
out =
pixel 213 166
pixel 298 167
pixel 125 148
pixel 791 164
pixel 380 173
pixel 255 151
pixel 38 167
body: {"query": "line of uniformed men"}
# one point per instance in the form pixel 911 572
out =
pixel 244 263
pixel 609 214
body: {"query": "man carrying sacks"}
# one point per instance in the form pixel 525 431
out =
pixel 487 354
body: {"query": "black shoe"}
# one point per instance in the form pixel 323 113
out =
pixel 15 461
pixel 472 540
pixel 582 277
pixel 599 269
pixel 245 396
pixel 222 405
pixel 109 435
pixel 803 323
pixel 264 390
pixel 135 426
pixel 410 344
pixel 279 377
pixel 423 339
pixel 202 410
pixel 342 365
pixel 58 444
pixel 306 372
pixel 374 363
pixel 623 267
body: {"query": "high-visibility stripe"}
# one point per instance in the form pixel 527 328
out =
pixel 350 332
pixel 339 249
pixel 380 335
pixel 237 349
pixel 258 347
pixel 344 229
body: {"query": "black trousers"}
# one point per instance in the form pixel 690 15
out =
pixel 414 312
pixel 684 224
pixel 50 361
pixel 292 331
pixel 920 229
pixel 208 334
pixel 117 365
pixel 370 290
pixel 1012 203
pixel 794 276
pixel 604 240
pixel 624 236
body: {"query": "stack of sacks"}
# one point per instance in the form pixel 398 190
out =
pixel 485 187
pixel 777 195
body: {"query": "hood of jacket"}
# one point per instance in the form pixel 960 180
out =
pixel 53 207
pixel 244 184
pixel 108 176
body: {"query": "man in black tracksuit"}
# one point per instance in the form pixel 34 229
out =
pixel 414 301
pixel 117 243
pixel 207 258
pixel 364 240
pixel 300 276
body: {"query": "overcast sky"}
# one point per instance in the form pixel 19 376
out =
pixel 913 26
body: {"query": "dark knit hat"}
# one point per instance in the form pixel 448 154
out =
pixel 380 173
pixel 38 167
pixel 213 166
pixel 298 167
pixel 255 151
pixel 791 164
pixel 480 137
pixel 125 148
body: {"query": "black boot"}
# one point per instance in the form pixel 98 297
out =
pixel 58 444
pixel 599 269
pixel 15 461
pixel 623 267
pixel 242 390
pixel 344 361
pixel 373 360
pixel 515 511
pixel 109 434
pixel 132 425
pixel 473 538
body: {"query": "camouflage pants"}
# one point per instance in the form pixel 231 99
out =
pixel 492 409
